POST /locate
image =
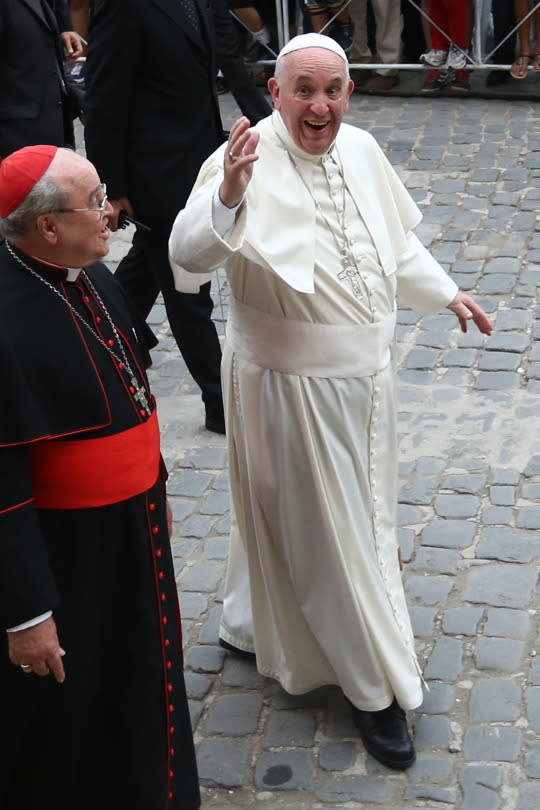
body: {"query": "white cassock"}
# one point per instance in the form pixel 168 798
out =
pixel 313 584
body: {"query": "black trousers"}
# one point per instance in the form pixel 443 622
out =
pixel 504 19
pixel 144 272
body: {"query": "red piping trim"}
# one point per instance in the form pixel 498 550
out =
pixel 17 506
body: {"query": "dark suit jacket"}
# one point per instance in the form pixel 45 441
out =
pixel 152 110
pixel 34 107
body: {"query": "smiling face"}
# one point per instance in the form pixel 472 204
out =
pixel 311 91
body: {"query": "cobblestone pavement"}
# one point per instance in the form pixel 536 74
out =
pixel 469 506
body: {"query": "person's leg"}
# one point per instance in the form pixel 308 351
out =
pixel 136 276
pixel 520 67
pixel 504 20
pixel 388 32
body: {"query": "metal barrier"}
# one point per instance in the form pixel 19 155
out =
pixel 477 61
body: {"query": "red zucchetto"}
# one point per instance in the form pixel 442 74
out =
pixel 19 173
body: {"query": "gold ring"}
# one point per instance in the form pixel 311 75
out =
pixel 232 157
pixel 26 668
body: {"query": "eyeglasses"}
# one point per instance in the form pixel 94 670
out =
pixel 101 207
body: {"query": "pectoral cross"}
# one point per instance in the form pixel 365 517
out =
pixel 140 395
pixel 350 273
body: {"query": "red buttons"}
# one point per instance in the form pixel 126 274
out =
pixel 131 389
pixel 152 506
pixel 98 319
pixel 142 412
pixel 161 575
pixel 163 597
pixel 172 752
pixel 155 529
pixel 171 774
pixel 159 552
pixel 167 642
pixel 169 687
pixel 172 730
pixel 169 664
pixel 164 620
pixel 171 708
pixel 121 366
pixel 170 794
pixel 86 299
pixel 110 342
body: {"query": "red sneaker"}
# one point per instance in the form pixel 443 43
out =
pixel 461 81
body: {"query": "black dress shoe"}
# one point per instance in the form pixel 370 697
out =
pixel 385 736
pixel 497 77
pixel 215 420
pixel 235 650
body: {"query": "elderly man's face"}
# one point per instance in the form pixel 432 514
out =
pixel 312 96
pixel 83 234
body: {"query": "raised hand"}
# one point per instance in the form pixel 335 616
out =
pixel 240 155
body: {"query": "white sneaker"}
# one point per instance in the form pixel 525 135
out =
pixel 457 58
pixel 434 58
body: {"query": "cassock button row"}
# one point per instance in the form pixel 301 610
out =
pixel 161 575
pixel 163 597
pixel 86 299
pixel 121 366
pixel 98 319
pixel 164 620
pixel 110 342
pixel 169 687
pixel 171 708
pixel 155 529
pixel 171 729
pixel 169 664
pixel 170 794
pixel 151 506
pixel 131 389
pixel 142 412
pixel 172 752
pixel 171 774
pixel 167 642
pixel 159 552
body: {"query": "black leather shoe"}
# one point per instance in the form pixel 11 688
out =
pixel 497 77
pixel 215 420
pixel 235 650
pixel 385 736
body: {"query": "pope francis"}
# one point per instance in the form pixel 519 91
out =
pixel 314 229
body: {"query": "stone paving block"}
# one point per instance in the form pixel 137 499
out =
pixel 242 673
pixel 502 495
pixel 507 623
pixel 223 526
pixel 534 673
pixel 439 700
pixel 197 526
pixel 188 483
pixel 533 467
pixel 532 700
pixel 456 507
pixel 528 517
pixel 497 381
pixel 510 586
pixel 205 659
pixel 532 760
pixel 421 359
pixel 192 605
pixel 437 794
pixel 421 492
pixel 531 492
pixel 205 458
pixel 508 321
pixel 195 708
pixel 428 590
pixel 496 516
pixel 504 477
pixel 499 653
pixel 203 576
pixel 529 796
pixel 209 633
pixel 358 789
pixel 234 715
pixel 223 762
pixel 337 756
pixel 479 784
pixel 406 543
pixel 446 660
pixel 181 508
pixel 471 484
pixel 462 621
pixel 509 545
pixel 492 744
pixel 429 466
pixel 197 686
pixel 422 619
pixel 408 377
pixel 216 548
pixel 496 284
pixel 495 700
pixel 286 770
pixel 449 533
pixel 499 361
pixel 430 768
pixel 182 548
pixel 438 561
pixel 431 731
pixel 216 503
pixel 408 515
pixel 339 719
pixel 289 729
pixel 464 358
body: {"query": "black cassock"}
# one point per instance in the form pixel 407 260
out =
pixel 116 734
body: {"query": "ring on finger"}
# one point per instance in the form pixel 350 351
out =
pixel 26 668
pixel 232 157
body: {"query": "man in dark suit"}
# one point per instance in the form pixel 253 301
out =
pixel 37 103
pixel 152 119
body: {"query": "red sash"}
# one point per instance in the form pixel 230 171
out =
pixel 95 472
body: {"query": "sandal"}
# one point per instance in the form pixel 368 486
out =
pixel 520 67
pixel 536 62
